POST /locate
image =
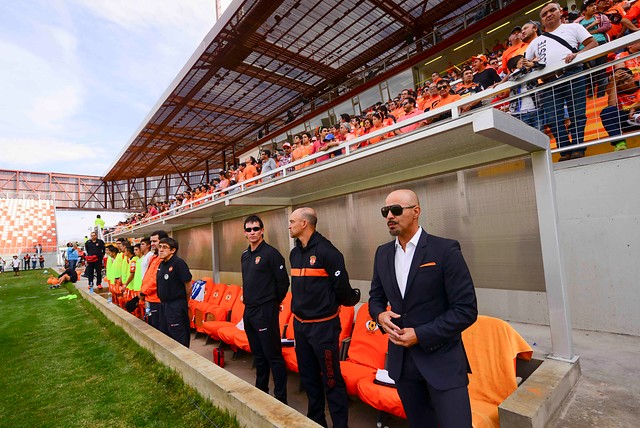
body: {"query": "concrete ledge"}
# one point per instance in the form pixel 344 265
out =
pixel 538 398
pixel 252 407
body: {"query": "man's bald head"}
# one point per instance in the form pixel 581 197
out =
pixel 405 197
pixel 307 214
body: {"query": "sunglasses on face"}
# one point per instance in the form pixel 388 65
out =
pixel 252 229
pixel 442 87
pixel 396 210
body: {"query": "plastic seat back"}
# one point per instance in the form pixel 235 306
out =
pixel 492 346
pixel 368 345
pixel 216 294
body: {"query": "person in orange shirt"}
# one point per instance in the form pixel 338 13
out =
pixel 632 64
pixel 431 96
pixel 516 47
pixel 444 89
pixel 149 290
pixel 304 149
pixel 250 171
pixel 435 77
pixel 376 120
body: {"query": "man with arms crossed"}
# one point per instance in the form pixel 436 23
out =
pixel 427 283
pixel 264 284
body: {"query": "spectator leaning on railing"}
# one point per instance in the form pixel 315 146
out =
pixel 561 42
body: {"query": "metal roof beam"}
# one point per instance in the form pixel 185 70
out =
pixel 392 9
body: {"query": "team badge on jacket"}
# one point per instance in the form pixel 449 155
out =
pixel 312 260
pixel 257 259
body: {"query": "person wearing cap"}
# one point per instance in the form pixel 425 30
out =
pixel 485 76
pixel 516 47
pixel 324 146
pixel 285 158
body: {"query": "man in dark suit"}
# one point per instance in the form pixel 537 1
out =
pixel 427 283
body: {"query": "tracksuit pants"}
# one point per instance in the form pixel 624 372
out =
pixel 263 331
pixel 174 320
pixel 94 268
pixel 319 367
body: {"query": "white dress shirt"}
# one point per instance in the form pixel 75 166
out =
pixel 403 260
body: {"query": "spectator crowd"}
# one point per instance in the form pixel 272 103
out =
pixel 559 111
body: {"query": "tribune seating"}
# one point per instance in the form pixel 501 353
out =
pixel 24 222
pixel 211 327
pixel 198 308
pixel 492 346
pixel 222 311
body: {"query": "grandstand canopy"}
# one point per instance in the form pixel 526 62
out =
pixel 261 60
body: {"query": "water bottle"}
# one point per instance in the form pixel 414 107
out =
pixel 147 310
pixel 91 289
pixel 109 300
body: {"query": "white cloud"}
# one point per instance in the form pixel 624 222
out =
pixel 141 15
pixel 52 109
pixel 57 155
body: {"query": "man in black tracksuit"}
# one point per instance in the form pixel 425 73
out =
pixel 265 283
pixel 319 285
pixel 95 250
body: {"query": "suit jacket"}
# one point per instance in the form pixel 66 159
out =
pixel 439 303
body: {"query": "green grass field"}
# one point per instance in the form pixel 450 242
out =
pixel 63 364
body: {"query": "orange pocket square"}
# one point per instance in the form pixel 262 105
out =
pixel 428 264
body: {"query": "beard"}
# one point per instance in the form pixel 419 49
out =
pixel 393 231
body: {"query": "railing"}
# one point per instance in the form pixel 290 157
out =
pixel 451 112
pixel 427 41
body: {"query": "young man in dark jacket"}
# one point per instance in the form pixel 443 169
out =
pixel 264 283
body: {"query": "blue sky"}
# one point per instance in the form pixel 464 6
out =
pixel 77 77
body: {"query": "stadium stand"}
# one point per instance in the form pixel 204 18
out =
pixel 27 222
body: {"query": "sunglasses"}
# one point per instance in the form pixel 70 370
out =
pixel 442 87
pixel 252 229
pixel 396 210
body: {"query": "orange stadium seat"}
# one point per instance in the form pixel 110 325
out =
pixel 198 308
pixel 221 312
pixel 19 235
pixel 211 327
pixel 207 294
pixel 346 324
pixel 492 346
pixel 366 353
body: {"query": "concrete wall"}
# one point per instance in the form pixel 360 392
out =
pixel 599 222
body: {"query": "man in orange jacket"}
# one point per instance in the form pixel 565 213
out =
pixel 149 290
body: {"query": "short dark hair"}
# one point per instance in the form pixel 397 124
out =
pixel 267 152
pixel 512 64
pixel 161 234
pixel 172 243
pixel 121 240
pixel 137 246
pixel 253 219
pixel 129 248
pixel 410 100
pixel 112 249
pixel 146 241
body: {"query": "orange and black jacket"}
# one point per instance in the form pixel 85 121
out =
pixel 319 279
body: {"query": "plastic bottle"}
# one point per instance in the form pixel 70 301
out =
pixel 147 309
pixel 109 299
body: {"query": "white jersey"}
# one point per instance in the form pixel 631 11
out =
pixel 549 51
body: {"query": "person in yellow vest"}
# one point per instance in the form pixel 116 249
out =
pixel 126 276
pixel 135 267
pixel 112 252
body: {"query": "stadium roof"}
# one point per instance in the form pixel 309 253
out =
pixel 261 59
